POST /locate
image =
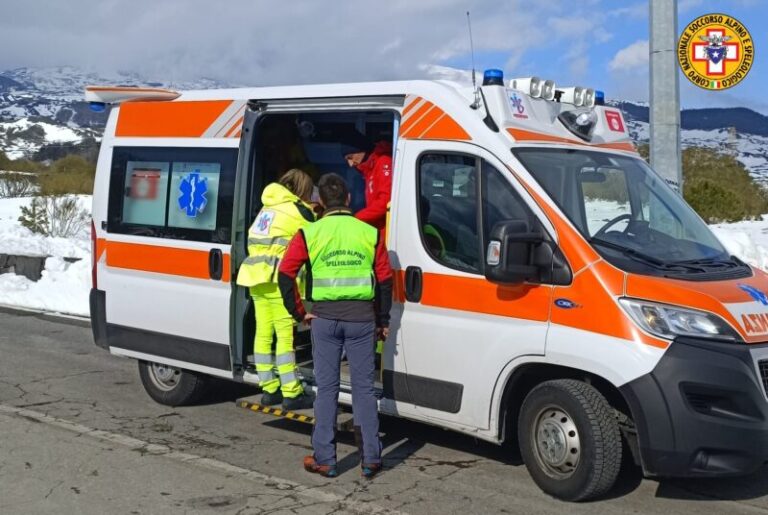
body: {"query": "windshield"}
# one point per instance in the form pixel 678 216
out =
pixel 626 210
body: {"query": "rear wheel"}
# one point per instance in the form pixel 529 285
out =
pixel 170 385
pixel 570 440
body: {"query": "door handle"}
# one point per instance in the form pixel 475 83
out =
pixel 215 264
pixel 413 284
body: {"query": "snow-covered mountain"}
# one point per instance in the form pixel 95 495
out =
pixel 44 106
pixel 739 131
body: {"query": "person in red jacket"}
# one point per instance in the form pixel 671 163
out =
pixel 374 162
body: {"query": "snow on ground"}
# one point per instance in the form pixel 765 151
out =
pixel 747 240
pixel 64 286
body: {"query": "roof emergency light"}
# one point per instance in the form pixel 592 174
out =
pixel 493 77
pixel 599 98
pixel 580 122
pixel 535 87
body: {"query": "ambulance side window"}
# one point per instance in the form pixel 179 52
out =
pixel 177 193
pixel 448 207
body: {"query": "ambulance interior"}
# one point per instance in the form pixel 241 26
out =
pixel 310 142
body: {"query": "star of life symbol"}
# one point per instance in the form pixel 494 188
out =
pixel 192 199
pixel 517 103
pixel 756 294
pixel 716 51
pixel 263 222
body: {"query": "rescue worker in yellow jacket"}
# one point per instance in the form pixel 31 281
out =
pixel 285 210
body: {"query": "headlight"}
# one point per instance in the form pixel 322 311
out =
pixel 668 322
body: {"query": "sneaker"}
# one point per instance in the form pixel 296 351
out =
pixel 271 399
pixel 310 465
pixel 370 470
pixel 303 401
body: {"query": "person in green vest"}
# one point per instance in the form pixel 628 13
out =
pixel 351 292
pixel 285 211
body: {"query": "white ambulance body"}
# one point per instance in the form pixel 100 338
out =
pixel 550 289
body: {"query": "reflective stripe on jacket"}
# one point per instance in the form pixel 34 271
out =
pixel 277 222
pixel 341 254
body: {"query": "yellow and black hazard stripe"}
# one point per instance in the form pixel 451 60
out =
pixel 277 412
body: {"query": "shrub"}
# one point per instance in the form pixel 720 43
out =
pixel 68 175
pixel 16 185
pixel 54 216
pixel 713 202
pixel 4 161
pixel 718 186
pixel 34 217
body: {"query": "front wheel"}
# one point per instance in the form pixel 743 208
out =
pixel 171 386
pixel 570 440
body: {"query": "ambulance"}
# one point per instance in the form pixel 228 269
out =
pixel 551 290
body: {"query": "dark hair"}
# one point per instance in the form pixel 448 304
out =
pixel 333 190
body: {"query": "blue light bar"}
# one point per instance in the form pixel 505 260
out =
pixel 493 77
pixel 98 107
pixel 599 98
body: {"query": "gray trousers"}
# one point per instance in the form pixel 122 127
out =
pixel 329 338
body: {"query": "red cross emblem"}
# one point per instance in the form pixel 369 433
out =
pixel 701 53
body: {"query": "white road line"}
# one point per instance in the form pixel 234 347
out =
pixel 277 483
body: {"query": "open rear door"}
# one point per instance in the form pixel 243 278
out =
pixel 313 120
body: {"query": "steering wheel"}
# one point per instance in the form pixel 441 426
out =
pixel 611 223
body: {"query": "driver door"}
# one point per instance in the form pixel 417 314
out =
pixel 459 330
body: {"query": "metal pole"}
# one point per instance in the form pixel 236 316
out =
pixel 665 92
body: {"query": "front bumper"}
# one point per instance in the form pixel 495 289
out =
pixel 702 412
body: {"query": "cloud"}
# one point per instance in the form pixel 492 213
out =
pixel 632 58
pixel 636 11
pixel 263 42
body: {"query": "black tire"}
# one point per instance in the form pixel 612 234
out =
pixel 570 440
pixel 171 386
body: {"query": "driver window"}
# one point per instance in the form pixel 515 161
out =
pixel 448 210
pixel 606 197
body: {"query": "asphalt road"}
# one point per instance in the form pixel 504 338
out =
pixel 79 435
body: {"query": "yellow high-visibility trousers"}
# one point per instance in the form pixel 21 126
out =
pixel 272 319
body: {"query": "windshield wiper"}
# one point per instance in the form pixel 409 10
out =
pixel 731 262
pixel 691 266
pixel 639 256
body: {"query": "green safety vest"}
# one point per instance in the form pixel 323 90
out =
pixel 268 238
pixel 341 251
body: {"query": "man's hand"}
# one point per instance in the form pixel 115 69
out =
pixel 382 333
pixel 308 319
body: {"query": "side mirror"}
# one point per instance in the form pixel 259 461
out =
pixel 509 256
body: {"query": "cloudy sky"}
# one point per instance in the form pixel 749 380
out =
pixel 598 43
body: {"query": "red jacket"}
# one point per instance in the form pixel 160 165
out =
pixel 377 172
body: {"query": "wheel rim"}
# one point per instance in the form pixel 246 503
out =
pixel 556 442
pixel 164 377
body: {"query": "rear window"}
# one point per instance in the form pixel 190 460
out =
pixel 179 193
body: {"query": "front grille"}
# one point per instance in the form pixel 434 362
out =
pixel 763 366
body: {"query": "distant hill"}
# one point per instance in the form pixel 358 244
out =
pixel 44 108
pixel 743 119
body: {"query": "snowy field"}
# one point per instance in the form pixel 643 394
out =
pixel 64 287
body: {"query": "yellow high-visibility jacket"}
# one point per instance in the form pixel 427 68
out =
pixel 278 221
